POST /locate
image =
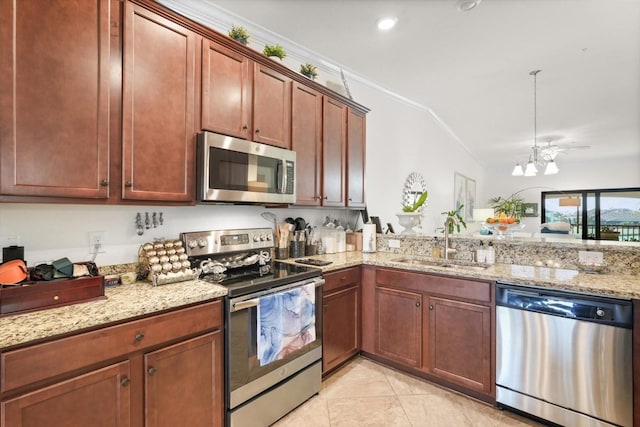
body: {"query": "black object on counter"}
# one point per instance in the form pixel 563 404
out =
pixel 12 252
pixel 310 261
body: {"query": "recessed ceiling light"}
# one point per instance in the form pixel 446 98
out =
pixel 467 5
pixel 386 24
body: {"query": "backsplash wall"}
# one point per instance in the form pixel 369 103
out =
pixel 52 231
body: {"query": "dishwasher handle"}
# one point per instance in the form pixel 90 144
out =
pixel 592 308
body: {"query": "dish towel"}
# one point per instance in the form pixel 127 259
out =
pixel 286 322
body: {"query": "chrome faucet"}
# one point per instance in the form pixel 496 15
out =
pixel 448 250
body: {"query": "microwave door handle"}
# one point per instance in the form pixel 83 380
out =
pixel 283 184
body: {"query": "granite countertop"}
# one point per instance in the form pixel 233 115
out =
pixel 130 301
pixel 123 302
pixel 611 285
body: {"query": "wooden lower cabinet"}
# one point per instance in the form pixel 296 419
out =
pixel 99 398
pixel 437 327
pixel 340 318
pixel 181 376
pixel 173 382
pixel 398 325
pixel 460 343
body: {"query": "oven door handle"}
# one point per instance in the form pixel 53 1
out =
pixel 242 305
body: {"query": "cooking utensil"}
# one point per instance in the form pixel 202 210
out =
pixel 300 223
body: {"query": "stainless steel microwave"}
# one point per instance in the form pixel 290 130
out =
pixel 235 170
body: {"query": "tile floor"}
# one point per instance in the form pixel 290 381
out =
pixel 365 393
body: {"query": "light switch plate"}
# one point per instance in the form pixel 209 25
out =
pixel 590 257
pixel 394 243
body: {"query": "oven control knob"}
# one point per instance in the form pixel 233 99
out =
pixel 192 244
pixel 256 238
pixel 202 242
pixel 263 237
pixel 600 312
pixel 269 237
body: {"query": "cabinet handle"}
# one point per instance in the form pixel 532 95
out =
pixel 128 184
pixel 343 278
pixel 418 304
pixel 431 307
pixel 350 199
pixel 125 382
pixel 139 336
pixel 326 197
pixel 104 182
pixel 257 130
pixel 152 371
pixel 245 127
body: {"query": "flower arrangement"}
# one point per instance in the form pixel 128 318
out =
pixel 274 50
pixel 239 34
pixel 456 220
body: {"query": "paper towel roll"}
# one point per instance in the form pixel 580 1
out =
pixel 369 238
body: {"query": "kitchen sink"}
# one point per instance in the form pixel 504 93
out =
pixel 442 263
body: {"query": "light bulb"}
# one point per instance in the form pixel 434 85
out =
pixel 551 168
pixel 517 170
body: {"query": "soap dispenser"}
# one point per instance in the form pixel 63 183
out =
pixel 491 254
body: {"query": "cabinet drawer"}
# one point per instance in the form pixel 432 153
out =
pixel 39 362
pixel 337 279
pixel 436 285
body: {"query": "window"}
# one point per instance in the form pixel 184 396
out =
pixel 606 214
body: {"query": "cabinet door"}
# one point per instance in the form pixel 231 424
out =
pixel 356 136
pixel 54 98
pixel 339 327
pixel 226 91
pixel 306 141
pixel 460 343
pixel 100 398
pixel 158 133
pixel 271 107
pixel 184 384
pixel 334 152
pixel 398 326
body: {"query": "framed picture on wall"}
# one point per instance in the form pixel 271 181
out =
pixel 529 209
pixel 459 189
pixel 470 200
pixel 464 193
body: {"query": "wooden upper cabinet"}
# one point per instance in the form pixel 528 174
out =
pixel 54 98
pixel 356 143
pixel 271 107
pixel 226 91
pixel 334 147
pixel 306 141
pixel 158 135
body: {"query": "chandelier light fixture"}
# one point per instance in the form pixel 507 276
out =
pixel 536 159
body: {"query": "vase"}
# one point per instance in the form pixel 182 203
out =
pixel 408 220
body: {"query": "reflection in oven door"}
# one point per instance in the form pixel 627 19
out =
pixel 253 367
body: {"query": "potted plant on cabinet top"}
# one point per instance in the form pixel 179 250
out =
pixel 274 50
pixel 309 71
pixel 239 34
pixel 411 215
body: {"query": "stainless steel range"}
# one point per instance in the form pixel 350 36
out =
pixel 273 324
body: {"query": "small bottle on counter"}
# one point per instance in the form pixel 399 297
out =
pixel 491 254
pixel 435 250
pixel 481 254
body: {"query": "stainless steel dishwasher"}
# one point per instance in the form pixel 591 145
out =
pixel 564 357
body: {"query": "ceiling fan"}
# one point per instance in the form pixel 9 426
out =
pixel 552 150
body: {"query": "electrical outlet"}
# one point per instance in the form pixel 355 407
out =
pixel 590 257
pixel 96 242
pixel 394 243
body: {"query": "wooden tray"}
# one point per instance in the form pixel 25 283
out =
pixel 32 296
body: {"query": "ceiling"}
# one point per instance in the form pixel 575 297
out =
pixel 472 68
